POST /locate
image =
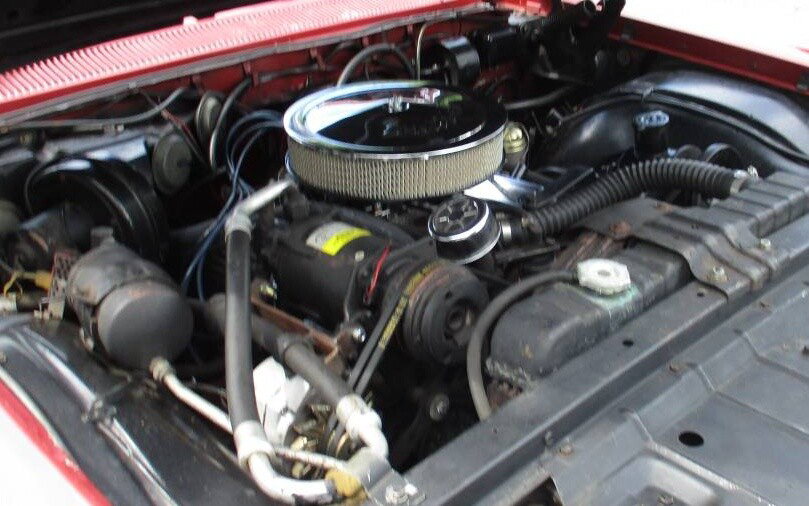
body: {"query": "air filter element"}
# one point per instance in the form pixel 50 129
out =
pixel 394 140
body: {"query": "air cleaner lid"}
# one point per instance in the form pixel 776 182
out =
pixel 393 119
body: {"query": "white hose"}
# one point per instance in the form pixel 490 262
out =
pixel 362 424
pixel 284 489
pixel 197 402
pixel 376 441
pixel 253 450
pixel 164 373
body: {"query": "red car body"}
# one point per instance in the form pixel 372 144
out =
pixel 766 44
pixel 740 38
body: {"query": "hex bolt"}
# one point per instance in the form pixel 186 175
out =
pixel 764 244
pixel 665 500
pixel 358 334
pixel 396 495
pixel 439 407
pixel 752 171
pixel 266 290
pixel 566 449
pixel 718 275
pixel 411 490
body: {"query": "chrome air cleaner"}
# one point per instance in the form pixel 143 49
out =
pixel 394 140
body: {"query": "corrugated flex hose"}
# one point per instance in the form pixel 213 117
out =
pixel 630 181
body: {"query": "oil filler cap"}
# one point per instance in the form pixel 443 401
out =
pixel 603 276
pixel 464 229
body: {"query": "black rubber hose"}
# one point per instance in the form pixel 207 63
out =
pixel 264 332
pixel 230 102
pixel 630 181
pixel 563 19
pixel 299 357
pixel 238 353
pixel 291 350
pixel 540 101
pixel 369 51
pixel 474 352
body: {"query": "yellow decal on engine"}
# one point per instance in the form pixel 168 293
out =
pixel 330 238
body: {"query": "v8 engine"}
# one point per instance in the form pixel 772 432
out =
pixel 416 256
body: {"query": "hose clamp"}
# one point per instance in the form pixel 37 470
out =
pixel 741 178
pixel 238 220
pixel 361 423
pixel 160 368
pixel 350 409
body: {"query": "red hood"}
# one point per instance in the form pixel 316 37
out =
pixel 767 41
pixel 779 28
pixel 741 36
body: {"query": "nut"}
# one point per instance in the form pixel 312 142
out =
pixel 266 290
pixel 396 495
pixel 665 500
pixel 358 334
pixel 718 275
pixel 765 244
pixel 439 407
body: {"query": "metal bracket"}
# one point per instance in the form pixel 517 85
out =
pixel 723 255
pixel 384 486
pixel 619 221
pixel 57 293
pixel 724 245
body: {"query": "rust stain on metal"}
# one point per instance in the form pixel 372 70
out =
pixel 322 341
pixel 620 229
pixel 587 245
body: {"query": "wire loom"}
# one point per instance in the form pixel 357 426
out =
pixel 630 181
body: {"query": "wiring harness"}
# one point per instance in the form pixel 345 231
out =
pixel 241 138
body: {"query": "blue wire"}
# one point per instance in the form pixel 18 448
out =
pixel 231 144
pixel 223 215
pixel 241 144
pixel 247 133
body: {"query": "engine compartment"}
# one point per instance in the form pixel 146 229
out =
pixel 351 257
